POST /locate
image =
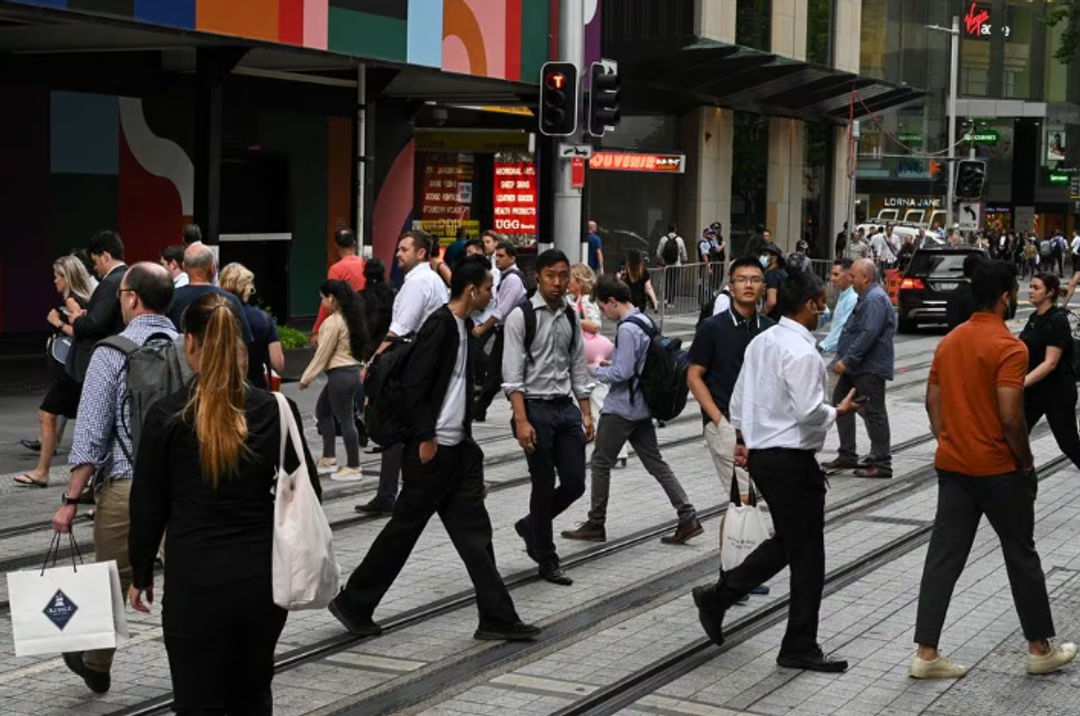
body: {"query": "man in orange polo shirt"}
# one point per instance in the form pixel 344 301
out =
pixel 348 268
pixel 975 400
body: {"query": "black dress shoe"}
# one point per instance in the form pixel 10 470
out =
pixel 360 626
pixel 526 537
pixel 514 632
pixel 375 508
pixel 812 662
pixel 97 681
pixel 709 614
pixel 554 573
pixel 31 445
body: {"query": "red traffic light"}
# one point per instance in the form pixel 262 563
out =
pixel 555 80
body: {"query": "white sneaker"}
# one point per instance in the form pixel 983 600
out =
pixel 347 474
pixel 325 465
pixel 1058 656
pixel 939 668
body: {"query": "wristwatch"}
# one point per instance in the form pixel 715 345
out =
pixel 65 500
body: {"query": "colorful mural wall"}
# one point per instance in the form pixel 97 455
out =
pixel 504 39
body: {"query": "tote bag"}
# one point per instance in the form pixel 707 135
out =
pixel 305 573
pixel 69 608
pixel 744 528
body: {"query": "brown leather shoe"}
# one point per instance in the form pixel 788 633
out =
pixel 685 530
pixel 841 463
pixel 588 531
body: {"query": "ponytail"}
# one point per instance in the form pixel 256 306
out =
pixel 216 405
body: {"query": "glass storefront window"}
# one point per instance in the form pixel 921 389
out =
pixel 1019 32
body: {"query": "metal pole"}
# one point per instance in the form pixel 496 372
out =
pixel 954 64
pixel 853 168
pixel 361 152
pixel 567 215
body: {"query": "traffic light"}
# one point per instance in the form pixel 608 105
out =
pixel 970 178
pixel 603 97
pixel 558 99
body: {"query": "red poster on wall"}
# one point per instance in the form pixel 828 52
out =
pixel 515 199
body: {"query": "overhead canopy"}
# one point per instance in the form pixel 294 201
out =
pixel 707 72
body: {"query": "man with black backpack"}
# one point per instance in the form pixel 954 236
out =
pixel 544 371
pixel 626 415
pixel 107 431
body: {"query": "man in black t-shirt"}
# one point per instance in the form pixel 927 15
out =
pixel 716 358
pixel 961 303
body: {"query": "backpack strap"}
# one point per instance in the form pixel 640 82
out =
pixel 528 312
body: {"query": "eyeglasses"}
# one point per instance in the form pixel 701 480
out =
pixel 121 291
pixel 754 280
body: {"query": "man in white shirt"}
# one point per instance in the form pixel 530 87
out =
pixel 422 293
pixel 172 258
pixel 884 247
pixel 780 410
pixel 512 291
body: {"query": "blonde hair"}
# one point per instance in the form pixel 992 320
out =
pixel 584 276
pixel 75 275
pixel 217 402
pixel 238 280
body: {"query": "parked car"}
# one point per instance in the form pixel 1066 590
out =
pixel 931 277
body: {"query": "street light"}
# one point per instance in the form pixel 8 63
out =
pixel 954 65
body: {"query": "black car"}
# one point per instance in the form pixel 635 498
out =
pixel 930 278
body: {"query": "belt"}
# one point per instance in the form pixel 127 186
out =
pixel 550 399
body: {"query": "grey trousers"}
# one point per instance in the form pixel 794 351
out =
pixel 336 401
pixel 612 433
pixel 874 415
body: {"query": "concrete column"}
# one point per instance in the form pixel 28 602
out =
pixel 715 19
pixel 848 24
pixel 784 190
pixel 707 134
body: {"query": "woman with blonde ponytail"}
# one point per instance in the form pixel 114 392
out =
pixel 205 472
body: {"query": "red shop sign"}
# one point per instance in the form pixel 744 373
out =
pixel 633 162
pixel 515 198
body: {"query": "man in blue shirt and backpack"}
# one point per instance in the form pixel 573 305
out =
pixel 626 416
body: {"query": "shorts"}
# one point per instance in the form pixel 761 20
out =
pixel 63 396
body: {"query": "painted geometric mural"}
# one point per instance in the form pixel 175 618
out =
pixel 504 39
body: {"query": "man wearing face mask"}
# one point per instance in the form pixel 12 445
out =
pixel 772 261
pixel 780 412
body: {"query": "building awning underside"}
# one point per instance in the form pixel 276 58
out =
pixel 710 73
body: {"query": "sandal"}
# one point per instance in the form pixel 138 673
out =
pixel 24 480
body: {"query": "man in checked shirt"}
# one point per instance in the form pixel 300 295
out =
pixel 102 446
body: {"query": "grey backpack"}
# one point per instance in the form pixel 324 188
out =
pixel 154 369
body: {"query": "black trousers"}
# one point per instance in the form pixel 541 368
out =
pixel 493 380
pixel 794 486
pixel 560 446
pixel 1057 401
pixel 220 641
pixel 452 485
pixel 874 415
pixel 1008 501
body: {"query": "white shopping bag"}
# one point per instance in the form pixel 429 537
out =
pixel 743 529
pixel 305 573
pixel 70 608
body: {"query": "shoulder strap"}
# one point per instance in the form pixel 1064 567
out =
pixel 644 324
pixel 528 313
pixel 119 343
pixel 571 315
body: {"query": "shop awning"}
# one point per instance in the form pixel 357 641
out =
pixel 707 72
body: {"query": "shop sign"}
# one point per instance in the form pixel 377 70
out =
pixel 446 229
pixel 577 173
pixel 447 191
pixel 910 137
pixel 634 162
pixel 911 202
pixel 987 136
pixel 471 141
pixel 515 198
pixel 977 25
pixel 1059 178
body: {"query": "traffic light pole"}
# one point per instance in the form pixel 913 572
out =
pixel 567 215
pixel 954 71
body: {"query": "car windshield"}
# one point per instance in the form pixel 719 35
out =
pixel 935 264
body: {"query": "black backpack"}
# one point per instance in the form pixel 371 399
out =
pixel 528 312
pixel 382 389
pixel 707 307
pixel 670 251
pixel 662 381
pixel 528 283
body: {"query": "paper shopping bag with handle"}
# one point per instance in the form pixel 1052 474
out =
pixel 744 528
pixel 70 608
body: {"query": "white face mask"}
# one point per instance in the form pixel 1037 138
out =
pixel 764 260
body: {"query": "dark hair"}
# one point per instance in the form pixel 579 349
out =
pixel 476 243
pixel 492 233
pixel 672 228
pixel 352 311
pixel 1052 283
pixel 744 262
pixel 972 262
pixel 345 238
pixel 469 271
pixel 173 253
pixel 845 264
pixel 635 264
pixel 507 247
pixel 462 233
pixel 991 280
pixel 798 288
pixel 82 255
pixel 374 271
pixel 152 284
pixel 550 258
pixel 422 240
pixel 106 241
pixel 191 234
pixel 608 286
pixel 436 249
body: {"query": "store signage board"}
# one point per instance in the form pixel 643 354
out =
pixel 978 24
pixel 1058 179
pixel 577 173
pixel 515 199
pixel 987 136
pixel 464 140
pixel 1074 187
pixel 635 162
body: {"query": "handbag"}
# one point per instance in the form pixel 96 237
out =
pixel 305 573
pixel 61 609
pixel 58 346
pixel 743 529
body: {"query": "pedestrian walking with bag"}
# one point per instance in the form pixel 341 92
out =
pixel 442 471
pixel 206 478
pixel 782 416
pixel 265 354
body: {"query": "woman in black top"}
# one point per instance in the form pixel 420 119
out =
pixel 264 351
pixel 1050 386
pixel 207 477
pixel 636 276
pixel 378 304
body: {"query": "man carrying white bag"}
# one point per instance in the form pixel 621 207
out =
pixel 744 527
pixel 66 609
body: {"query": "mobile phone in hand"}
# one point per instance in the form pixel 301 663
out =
pixel 861 400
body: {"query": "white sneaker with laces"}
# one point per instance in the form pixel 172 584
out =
pixel 1058 656
pixel 939 668
pixel 347 474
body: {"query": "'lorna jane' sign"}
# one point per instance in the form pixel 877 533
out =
pixel 977 24
pixel 515 198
